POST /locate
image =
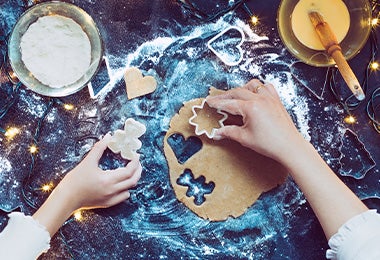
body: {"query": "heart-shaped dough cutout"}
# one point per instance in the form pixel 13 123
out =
pixel 137 85
pixel 183 148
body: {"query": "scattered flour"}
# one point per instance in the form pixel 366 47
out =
pixel 237 75
pixel 5 165
pixel 56 51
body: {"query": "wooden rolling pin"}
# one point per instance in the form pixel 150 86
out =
pixel 331 44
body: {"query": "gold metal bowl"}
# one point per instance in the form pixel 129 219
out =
pixel 54 8
pixel 357 36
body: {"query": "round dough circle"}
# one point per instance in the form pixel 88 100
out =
pixel 334 12
pixel 56 50
pixel 240 175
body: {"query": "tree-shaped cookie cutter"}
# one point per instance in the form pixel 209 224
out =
pixel 198 129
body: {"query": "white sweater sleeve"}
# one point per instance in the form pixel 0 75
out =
pixel 23 238
pixel 357 239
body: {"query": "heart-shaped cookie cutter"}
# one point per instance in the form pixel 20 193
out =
pixel 238 46
pixel 199 131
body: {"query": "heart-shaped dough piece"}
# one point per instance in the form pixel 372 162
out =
pixel 137 85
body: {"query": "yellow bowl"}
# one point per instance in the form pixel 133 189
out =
pixel 357 36
pixel 54 8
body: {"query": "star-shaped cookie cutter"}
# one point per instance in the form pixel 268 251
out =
pixel 199 131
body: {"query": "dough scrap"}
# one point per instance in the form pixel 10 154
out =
pixel 126 141
pixel 240 174
pixel 56 50
pixel 137 85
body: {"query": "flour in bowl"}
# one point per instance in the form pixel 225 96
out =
pixel 56 50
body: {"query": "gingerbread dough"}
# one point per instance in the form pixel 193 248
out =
pixel 240 175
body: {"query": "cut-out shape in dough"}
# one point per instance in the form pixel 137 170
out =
pixel 215 119
pixel 137 85
pixel 126 141
pixel 184 149
pixel 197 188
pixel 240 175
pixel 227 45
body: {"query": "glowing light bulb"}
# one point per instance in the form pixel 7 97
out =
pixel 12 132
pixel 47 187
pixel 254 20
pixel 68 106
pixel 375 21
pixel 350 119
pixel 375 65
pixel 78 215
pixel 33 149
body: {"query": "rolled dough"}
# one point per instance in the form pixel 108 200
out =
pixel 240 174
pixel 56 50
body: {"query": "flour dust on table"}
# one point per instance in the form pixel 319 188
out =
pixel 153 223
pixel 185 69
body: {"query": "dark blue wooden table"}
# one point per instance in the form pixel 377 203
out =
pixel 166 40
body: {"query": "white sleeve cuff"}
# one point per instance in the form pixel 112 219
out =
pixel 357 238
pixel 23 238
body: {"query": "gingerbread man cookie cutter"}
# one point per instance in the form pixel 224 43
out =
pixel 198 129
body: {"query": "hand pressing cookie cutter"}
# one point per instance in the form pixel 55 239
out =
pixel 204 131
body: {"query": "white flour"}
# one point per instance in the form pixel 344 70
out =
pixel 56 51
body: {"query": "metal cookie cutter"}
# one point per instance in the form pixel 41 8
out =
pixel 225 58
pixel 200 131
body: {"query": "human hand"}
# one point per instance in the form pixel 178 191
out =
pixel 87 186
pixel 267 127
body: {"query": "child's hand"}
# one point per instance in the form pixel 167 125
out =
pixel 88 186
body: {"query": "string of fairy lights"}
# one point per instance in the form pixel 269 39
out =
pixel 373 106
pixel 27 190
pixel 350 103
pixel 10 132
